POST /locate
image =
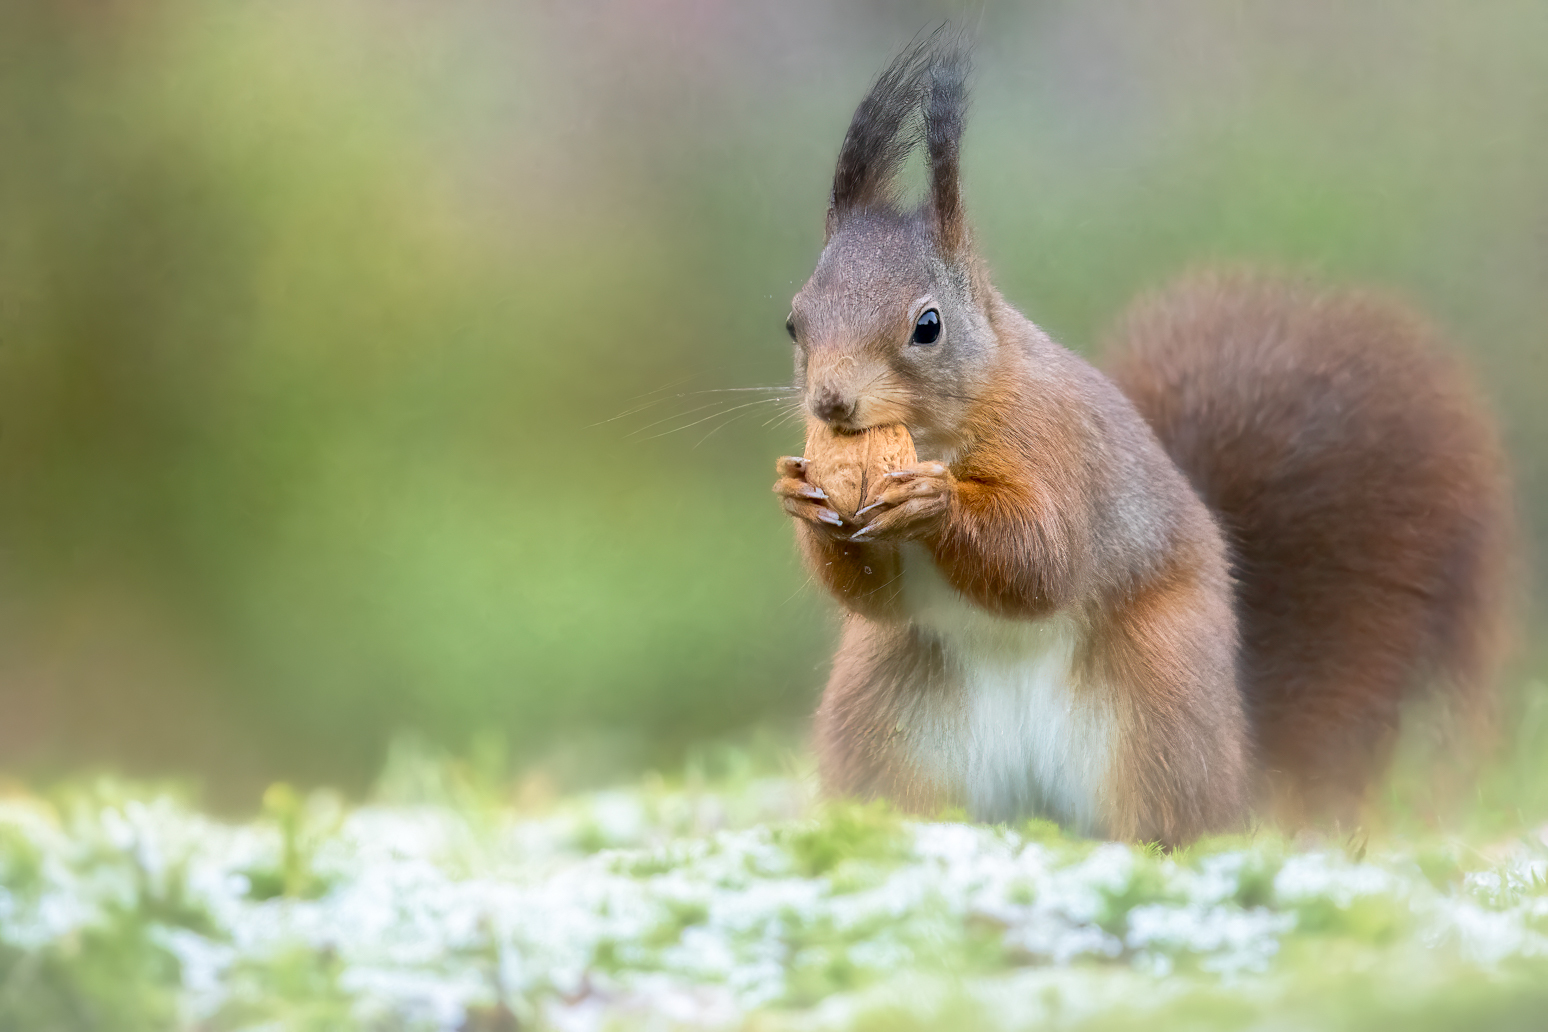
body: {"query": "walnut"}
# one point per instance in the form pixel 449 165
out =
pixel 847 466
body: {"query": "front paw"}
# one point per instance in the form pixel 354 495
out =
pixel 806 501
pixel 907 504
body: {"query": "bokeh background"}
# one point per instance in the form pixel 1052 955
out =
pixel 358 357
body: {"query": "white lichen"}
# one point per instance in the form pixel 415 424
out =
pixel 655 908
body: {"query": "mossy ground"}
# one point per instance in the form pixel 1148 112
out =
pixel 726 897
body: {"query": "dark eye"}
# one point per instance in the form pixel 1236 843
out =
pixel 790 325
pixel 928 329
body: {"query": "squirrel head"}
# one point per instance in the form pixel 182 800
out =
pixel 893 326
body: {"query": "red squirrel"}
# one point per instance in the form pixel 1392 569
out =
pixel 1142 603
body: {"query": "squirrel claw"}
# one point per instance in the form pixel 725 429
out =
pixel 791 466
pixel 791 489
pixel 908 519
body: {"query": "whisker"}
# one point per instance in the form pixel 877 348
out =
pixel 632 411
pixel 676 415
pixel 772 389
pixel 718 403
pixel 696 422
pixel 665 387
pixel 797 413
pixel 649 404
pixel 810 580
pixel 779 389
pixel 719 428
pixel 795 409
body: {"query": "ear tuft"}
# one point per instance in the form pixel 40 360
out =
pixel 880 137
pixel 928 79
pixel 945 115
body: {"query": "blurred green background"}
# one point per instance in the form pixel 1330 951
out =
pixel 315 316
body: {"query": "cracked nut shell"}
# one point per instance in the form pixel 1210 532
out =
pixel 846 465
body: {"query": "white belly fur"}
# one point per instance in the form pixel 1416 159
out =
pixel 1022 738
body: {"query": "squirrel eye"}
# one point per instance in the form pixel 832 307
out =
pixel 790 325
pixel 928 329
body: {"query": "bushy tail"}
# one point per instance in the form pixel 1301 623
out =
pixel 1361 485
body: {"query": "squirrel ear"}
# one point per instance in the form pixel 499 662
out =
pixel 945 112
pixel 878 140
pixel 928 78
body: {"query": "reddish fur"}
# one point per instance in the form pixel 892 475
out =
pixel 876 670
pixel 1316 446
pixel 1020 540
pixel 865 578
pixel 1363 492
pixel 1151 645
pixel 1368 522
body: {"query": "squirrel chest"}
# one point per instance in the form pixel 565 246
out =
pixel 1012 730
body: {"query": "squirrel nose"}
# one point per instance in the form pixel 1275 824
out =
pixel 830 407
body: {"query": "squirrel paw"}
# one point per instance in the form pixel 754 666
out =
pixel 805 501
pixel 908 504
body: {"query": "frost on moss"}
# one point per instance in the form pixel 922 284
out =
pixel 734 904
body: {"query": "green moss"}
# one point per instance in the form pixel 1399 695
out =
pixel 958 1011
pixel 21 865
pixel 1440 867
pixel 1022 893
pixel 109 978
pixel 1047 833
pixel 641 865
pixel 1255 882
pixel 1204 1010
pixel 680 916
pixel 871 832
pixel 919 966
pixel 300 831
pixel 1374 920
pixel 297 991
pixel 1146 885
pixel 819 972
